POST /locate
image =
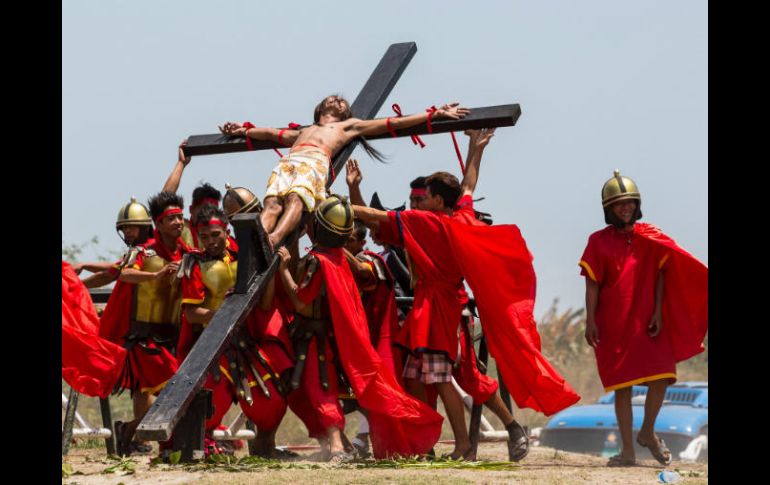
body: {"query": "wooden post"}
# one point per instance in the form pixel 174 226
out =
pixel 69 421
pixel 104 405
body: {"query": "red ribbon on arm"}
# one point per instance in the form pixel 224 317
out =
pixel 247 125
pixel 292 126
pixel 431 111
pixel 415 138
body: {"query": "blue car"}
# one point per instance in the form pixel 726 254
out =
pixel 682 423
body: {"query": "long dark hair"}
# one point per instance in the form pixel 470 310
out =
pixel 370 150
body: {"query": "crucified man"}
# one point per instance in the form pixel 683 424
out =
pixel 300 178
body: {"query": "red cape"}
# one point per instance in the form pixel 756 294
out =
pixel 115 318
pixel 381 314
pixel 400 424
pixel 90 365
pixel 685 295
pixel 506 300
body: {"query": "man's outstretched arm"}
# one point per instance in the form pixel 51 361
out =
pixel 357 127
pixel 287 137
pixel 370 217
pixel 479 139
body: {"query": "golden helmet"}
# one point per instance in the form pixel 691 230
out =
pixel 240 200
pixel 333 221
pixel 133 214
pixel 619 188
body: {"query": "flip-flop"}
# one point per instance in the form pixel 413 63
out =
pixel 658 452
pixel 620 460
pixel 518 442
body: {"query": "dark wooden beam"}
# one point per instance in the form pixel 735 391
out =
pixel 483 117
pixel 366 105
pixel 175 398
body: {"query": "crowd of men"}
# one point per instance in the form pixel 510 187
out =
pixel 327 337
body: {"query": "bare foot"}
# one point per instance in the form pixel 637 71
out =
pixel 460 451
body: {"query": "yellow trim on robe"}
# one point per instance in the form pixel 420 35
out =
pixel 663 260
pixel 588 269
pixel 656 377
pixel 192 301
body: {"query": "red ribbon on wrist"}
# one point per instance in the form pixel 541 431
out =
pixel 415 138
pixel 247 125
pixel 431 111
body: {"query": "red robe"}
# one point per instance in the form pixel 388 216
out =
pixel 431 325
pixel 627 276
pixel 150 371
pixel 505 298
pixel 382 315
pixel 399 423
pixel 90 365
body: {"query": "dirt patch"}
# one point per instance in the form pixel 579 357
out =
pixel 542 466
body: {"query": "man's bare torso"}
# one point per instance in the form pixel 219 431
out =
pixel 332 136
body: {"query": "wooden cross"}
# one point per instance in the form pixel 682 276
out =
pixel 255 268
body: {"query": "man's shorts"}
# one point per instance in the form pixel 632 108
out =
pixel 428 368
pixel 303 171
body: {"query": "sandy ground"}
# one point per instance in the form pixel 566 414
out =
pixel 542 466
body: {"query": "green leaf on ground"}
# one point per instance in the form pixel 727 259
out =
pixel 174 457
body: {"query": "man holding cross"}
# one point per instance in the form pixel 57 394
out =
pixel 299 179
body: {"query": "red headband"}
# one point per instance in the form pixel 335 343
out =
pixel 168 212
pixel 211 222
pixel 418 192
pixel 205 200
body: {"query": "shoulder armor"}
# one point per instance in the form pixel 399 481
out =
pixel 379 269
pixel 149 253
pixel 186 265
pixel 129 258
pixel 312 265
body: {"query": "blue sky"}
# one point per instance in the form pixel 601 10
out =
pixel 601 84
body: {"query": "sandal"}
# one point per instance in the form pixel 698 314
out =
pixel 660 452
pixel 518 442
pixel 620 460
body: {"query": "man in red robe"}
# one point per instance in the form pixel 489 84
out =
pixel 91 365
pixel 143 313
pixel 647 309
pixel 444 248
pixel 400 424
pixel 248 371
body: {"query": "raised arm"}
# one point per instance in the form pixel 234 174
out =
pixel 172 183
pixel 287 137
pixel 353 179
pixel 288 282
pixel 379 126
pixel 479 139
